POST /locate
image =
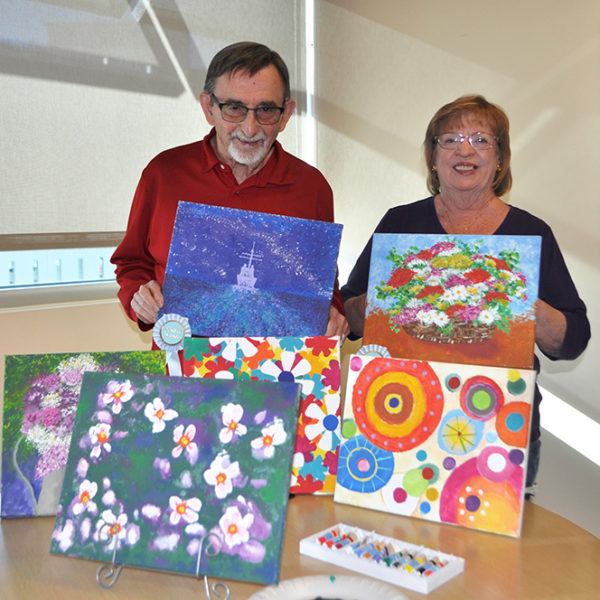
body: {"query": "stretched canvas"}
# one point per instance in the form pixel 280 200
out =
pixel 40 399
pixel 241 273
pixel 460 298
pixel 314 363
pixel 438 441
pixel 152 471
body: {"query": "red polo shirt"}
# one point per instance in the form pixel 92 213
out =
pixel 284 186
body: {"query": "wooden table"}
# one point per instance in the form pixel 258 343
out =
pixel 553 559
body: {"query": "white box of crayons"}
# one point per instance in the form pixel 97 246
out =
pixel 395 561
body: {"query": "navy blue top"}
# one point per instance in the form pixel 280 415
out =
pixel 556 286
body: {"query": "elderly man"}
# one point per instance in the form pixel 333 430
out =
pixel 239 164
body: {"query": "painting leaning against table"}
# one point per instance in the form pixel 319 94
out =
pixel 40 399
pixel 154 479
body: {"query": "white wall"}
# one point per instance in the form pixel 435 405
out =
pixel 385 66
pixel 91 92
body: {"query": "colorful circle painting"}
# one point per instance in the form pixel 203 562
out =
pixel 512 423
pixel 416 481
pixel 397 404
pixel 493 462
pixel 363 467
pixel 396 499
pixel 453 381
pixel 516 384
pixel 459 433
pixel 472 500
pixel 481 398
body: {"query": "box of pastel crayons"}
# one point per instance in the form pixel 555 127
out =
pixel 395 561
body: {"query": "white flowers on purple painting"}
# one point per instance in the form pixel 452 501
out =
pixel 116 393
pixel 242 529
pixel 185 443
pixel 100 438
pixel 184 509
pixel 83 500
pixel 221 474
pixel 272 435
pixel 235 527
pixel 232 415
pixel 113 530
pixel 156 412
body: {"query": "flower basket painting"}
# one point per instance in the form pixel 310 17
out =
pixel 156 478
pixel 234 273
pixel 466 299
pixel 314 363
pixel 41 392
pixel 437 441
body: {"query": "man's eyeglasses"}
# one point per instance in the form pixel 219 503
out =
pixel 478 140
pixel 236 112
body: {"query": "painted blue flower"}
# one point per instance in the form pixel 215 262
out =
pixel 318 387
pixel 316 468
pixel 363 467
pixel 292 344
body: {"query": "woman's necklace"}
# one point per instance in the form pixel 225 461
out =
pixel 483 220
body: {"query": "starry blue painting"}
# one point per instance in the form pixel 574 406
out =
pixel 236 273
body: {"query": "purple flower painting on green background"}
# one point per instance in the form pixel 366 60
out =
pixel 153 470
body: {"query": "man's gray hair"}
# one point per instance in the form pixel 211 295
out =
pixel 248 57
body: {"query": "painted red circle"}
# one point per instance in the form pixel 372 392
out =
pixel 432 392
pixel 427 473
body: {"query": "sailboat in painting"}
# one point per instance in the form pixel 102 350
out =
pixel 246 278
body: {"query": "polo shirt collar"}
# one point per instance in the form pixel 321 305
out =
pixel 277 170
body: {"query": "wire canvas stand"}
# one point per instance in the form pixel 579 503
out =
pixel 108 574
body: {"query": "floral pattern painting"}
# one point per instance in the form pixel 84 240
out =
pixel 467 299
pixel 40 399
pixel 235 272
pixel 157 464
pixel 438 441
pixel 312 362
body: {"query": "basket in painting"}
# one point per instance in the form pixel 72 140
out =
pixel 452 292
pixel 462 333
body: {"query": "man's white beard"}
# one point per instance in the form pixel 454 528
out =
pixel 249 158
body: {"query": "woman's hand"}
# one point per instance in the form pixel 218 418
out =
pixel 355 313
pixel 550 328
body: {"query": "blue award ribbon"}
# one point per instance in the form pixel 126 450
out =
pixel 168 333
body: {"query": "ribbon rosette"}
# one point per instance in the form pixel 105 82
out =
pixel 168 334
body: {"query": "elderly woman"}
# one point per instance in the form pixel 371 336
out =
pixel 467 150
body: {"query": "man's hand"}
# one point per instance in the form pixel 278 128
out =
pixel 147 301
pixel 337 324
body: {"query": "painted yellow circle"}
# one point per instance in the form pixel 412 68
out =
pixel 393 409
pixel 418 409
pixel 432 494
pixel 513 375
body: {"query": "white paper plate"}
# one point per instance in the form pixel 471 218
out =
pixel 340 587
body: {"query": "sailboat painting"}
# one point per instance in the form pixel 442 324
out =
pixel 237 273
